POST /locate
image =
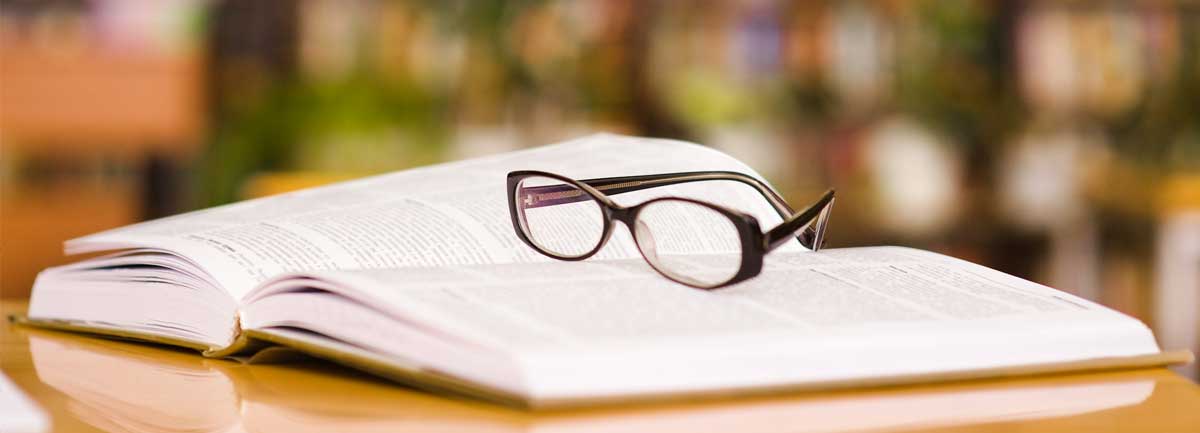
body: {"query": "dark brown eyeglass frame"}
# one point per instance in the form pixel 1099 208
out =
pixel 755 243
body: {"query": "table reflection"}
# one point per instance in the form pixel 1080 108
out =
pixel 127 387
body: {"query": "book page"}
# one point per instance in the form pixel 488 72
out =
pixel 449 214
pixel 587 302
pixel 204 397
pixel 832 315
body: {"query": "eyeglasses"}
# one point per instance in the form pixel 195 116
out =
pixel 571 219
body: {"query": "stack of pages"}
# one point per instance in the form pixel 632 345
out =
pixel 419 276
pixel 198 395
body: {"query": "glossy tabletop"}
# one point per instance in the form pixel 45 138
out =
pixel 92 384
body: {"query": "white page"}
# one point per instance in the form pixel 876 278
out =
pixel 614 327
pixel 145 291
pixel 449 214
pixel 593 301
pixel 113 390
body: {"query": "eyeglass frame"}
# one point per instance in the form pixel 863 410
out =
pixel 755 243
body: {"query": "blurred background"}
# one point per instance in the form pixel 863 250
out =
pixel 1054 140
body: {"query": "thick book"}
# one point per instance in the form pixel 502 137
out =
pixel 418 276
pixel 195 394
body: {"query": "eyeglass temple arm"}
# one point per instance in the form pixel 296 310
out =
pixel 551 195
pixel 811 221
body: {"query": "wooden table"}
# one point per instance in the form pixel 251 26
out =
pixel 92 384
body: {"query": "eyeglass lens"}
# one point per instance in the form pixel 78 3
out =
pixel 672 233
pixel 558 217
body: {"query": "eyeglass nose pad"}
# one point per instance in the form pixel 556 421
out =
pixel 645 240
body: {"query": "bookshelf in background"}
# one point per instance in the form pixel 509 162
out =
pixel 101 108
pixel 1027 136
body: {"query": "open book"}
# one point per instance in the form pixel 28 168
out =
pixel 419 276
pixel 193 394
